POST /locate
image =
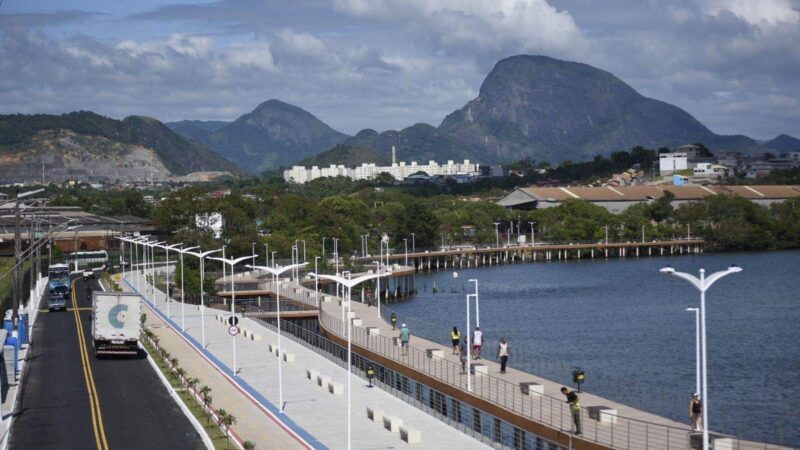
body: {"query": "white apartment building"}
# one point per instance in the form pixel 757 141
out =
pixel 366 171
pixel 669 163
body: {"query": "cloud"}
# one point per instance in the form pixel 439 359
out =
pixel 761 12
pixel 45 19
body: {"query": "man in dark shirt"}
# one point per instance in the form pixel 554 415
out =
pixel 574 407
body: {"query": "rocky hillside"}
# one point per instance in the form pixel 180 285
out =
pixel 88 146
pixel 274 134
pixel 546 109
pixel 781 144
pixel 348 155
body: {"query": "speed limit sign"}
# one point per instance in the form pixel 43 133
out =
pixel 233 330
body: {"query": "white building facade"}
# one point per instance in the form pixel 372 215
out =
pixel 367 171
pixel 669 163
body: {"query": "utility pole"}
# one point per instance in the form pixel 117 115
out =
pixel 17 272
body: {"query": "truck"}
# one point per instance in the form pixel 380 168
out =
pixel 115 323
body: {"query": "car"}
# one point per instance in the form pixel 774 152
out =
pixel 87 274
pixel 57 302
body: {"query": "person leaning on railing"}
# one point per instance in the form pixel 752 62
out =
pixel 574 407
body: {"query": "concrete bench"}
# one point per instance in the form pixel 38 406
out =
pixel 288 357
pixel 343 303
pixel 392 423
pixel 355 321
pixel 375 415
pixel 410 435
pixel 323 380
pixel 723 443
pixel 273 349
pixel 603 414
pixel 335 388
pixel 327 298
pixel 255 337
pixel 531 389
pixel 312 374
pixel 479 369
pixel 351 314
pixel 373 331
pixel 245 332
pixel 434 353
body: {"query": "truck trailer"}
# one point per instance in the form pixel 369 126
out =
pixel 115 323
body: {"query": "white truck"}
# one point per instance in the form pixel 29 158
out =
pixel 115 323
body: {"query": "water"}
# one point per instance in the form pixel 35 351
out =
pixel 625 324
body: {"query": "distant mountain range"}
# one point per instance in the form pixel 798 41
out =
pixel 528 107
pixel 274 134
pixel 90 147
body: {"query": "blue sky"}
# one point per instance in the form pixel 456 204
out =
pixel 387 64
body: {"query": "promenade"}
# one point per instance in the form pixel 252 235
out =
pixel 313 417
pixel 545 414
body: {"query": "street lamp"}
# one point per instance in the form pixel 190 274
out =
pixel 183 296
pixel 233 262
pixel 166 294
pixel 697 346
pixel 413 244
pixel 467 331
pixel 275 274
pixel 349 284
pixel 202 256
pixel 497 233
pixel 533 235
pixel 702 284
pixel 152 285
pixel 405 242
pixel 316 281
pixel 323 246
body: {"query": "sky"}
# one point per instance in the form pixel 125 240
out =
pixel 387 64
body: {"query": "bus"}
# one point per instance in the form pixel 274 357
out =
pixel 87 259
pixel 58 279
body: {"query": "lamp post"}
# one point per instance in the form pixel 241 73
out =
pixel 233 262
pixel 697 346
pixel 405 242
pixel 152 246
pixel 497 233
pixel 316 281
pixel 413 244
pixel 533 236
pixel 275 274
pixel 202 256
pixel 349 284
pixel 183 296
pixel 166 294
pixel 323 246
pixel 606 227
pixel 469 337
pixel 702 284
pixel 266 254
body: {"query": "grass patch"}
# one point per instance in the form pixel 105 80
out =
pixel 214 432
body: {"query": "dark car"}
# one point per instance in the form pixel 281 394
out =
pixel 57 301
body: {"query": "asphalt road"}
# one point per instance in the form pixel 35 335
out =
pixel 132 409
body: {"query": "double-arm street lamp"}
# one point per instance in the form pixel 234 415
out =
pixel 702 284
pixel 183 296
pixel 167 296
pixel 349 284
pixel 202 256
pixel 276 272
pixel 233 262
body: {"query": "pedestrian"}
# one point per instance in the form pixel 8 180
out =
pixel 574 407
pixel 463 355
pixel 405 336
pixel 696 412
pixel 455 338
pixel 503 353
pixel 394 321
pixel 477 342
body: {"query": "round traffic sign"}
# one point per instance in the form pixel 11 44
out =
pixel 233 321
pixel 233 330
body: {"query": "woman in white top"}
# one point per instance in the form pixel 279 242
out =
pixel 477 342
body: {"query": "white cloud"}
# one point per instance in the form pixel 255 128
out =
pixel 301 43
pixel 756 12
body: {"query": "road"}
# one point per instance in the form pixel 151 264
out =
pixel 71 400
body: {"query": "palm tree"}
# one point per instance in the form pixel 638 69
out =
pixel 181 373
pixel 222 419
pixel 205 392
pixel 192 382
pixel 249 445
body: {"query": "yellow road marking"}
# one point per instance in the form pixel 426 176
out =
pixel 94 400
pixel 68 309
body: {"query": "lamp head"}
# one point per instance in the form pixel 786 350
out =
pixel 691 309
pixel 734 268
pixel 667 270
pixel 455 274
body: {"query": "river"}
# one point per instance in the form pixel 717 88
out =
pixel 627 326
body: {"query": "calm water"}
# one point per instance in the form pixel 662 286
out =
pixel 625 324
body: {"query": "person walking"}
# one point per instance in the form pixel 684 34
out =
pixel 455 338
pixel 574 407
pixel 696 412
pixel 394 321
pixel 477 342
pixel 503 352
pixel 405 336
pixel 463 355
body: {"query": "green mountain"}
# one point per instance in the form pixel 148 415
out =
pixel 546 109
pixel 274 134
pixel 87 135
pixel 196 130
pixel 348 155
pixel 781 144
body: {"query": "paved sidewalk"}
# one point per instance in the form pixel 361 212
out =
pixel 307 406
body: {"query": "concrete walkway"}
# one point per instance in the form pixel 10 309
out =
pixel 311 411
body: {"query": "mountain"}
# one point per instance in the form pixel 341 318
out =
pixel 89 147
pixel 547 109
pixel 348 155
pixel 274 134
pixel 196 130
pixel 782 144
